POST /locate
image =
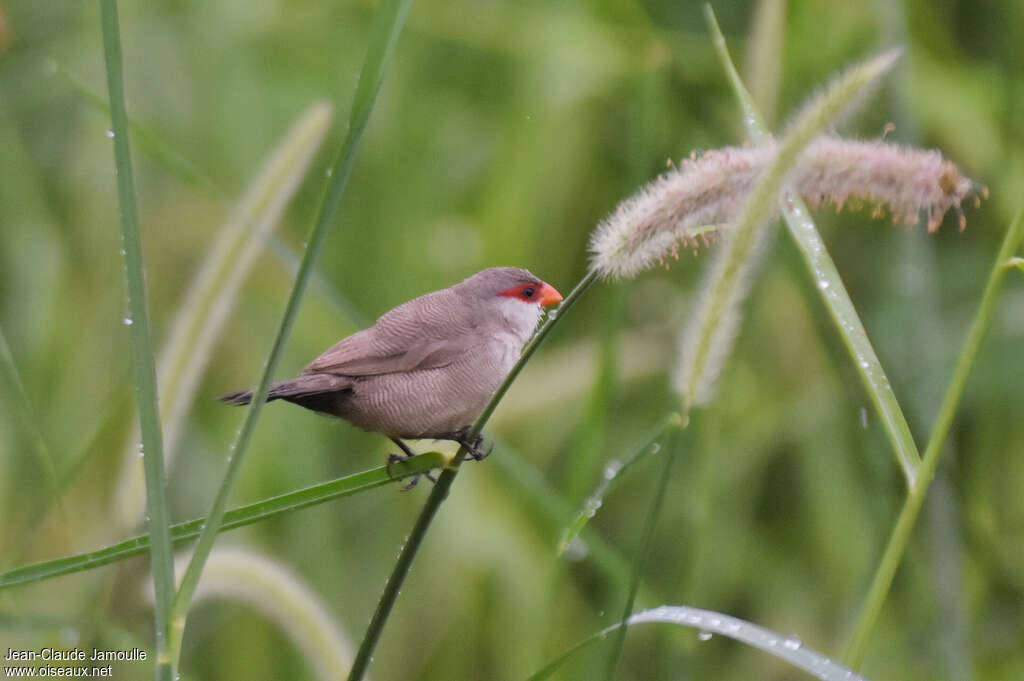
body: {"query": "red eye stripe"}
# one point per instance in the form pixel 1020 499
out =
pixel 527 292
pixel 542 293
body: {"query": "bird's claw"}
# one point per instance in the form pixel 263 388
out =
pixel 396 458
pixel 474 450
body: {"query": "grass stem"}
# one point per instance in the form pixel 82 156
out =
pixel 162 562
pixel 643 550
pixel 901 531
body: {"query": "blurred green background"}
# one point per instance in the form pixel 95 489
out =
pixel 503 133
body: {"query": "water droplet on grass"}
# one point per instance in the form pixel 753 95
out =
pixel 792 643
pixel 110 133
pixel 128 321
pixel 704 636
pixel 577 549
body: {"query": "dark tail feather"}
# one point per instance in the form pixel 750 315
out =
pixel 294 389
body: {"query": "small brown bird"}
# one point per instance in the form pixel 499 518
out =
pixel 426 369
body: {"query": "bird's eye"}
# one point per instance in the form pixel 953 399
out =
pixel 529 292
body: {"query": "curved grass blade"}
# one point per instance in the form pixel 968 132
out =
pixel 257 581
pixel 613 472
pixel 829 284
pixel 237 517
pixel 643 550
pixel 162 564
pixel 900 537
pixel 787 648
pixel 206 308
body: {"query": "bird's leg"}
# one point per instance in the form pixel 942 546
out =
pixel 407 453
pixel 473 447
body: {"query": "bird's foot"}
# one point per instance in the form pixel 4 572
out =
pixel 474 447
pixel 406 454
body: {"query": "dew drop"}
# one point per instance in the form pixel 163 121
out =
pixel 577 550
pixel 110 133
pixel 704 636
pixel 612 469
pixel 655 448
pixel 792 643
pixel 822 284
pixel 128 321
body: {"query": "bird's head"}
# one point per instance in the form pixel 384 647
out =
pixel 514 293
pixel 513 283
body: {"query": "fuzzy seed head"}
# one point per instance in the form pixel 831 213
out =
pixel 694 202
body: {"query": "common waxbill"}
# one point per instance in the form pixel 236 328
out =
pixel 426 369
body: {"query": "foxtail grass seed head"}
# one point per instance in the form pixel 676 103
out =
pixel 680 208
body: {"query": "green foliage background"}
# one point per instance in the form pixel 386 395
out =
pixel 503 133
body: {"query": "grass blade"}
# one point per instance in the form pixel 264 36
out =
pixel 31 425
pixel 898 540
pixel 787 648
pixel 142 352
pixel 206 307
pixel 764 56
pixel 271 588
pixel 237 517
pixel 830 285
pixel 612 476
pixel 643 550
pixel 391 18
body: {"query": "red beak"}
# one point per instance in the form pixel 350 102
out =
pixel 549 295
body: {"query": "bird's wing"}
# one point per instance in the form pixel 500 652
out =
pixel 425 333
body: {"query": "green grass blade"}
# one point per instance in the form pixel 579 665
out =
pixel 528 484
pixel 787 648
pixel 256 580
pixel 830 286
pixel 206 308
pixel 321 284
pixel 391 18
pixel 764 55
pixel 147 141
pixel 162 564
pixel 900 537
pixel 612 476
pixel 643 550
pixel 237 517
pixel 31 425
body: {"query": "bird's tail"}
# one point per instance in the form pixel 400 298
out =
pixel 294 389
